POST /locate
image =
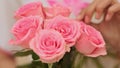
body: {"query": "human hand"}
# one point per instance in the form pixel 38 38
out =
pixel 109 7
pixel 110 27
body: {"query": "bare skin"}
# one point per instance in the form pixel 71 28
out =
pixel 110 27
pixel 6 61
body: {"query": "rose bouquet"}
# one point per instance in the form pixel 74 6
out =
pixel 50 34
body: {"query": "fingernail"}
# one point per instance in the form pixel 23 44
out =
pixel 87 19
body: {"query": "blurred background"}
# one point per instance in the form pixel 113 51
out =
pixel 24 58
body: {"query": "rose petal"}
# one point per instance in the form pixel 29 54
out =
pixel 70 29
pixel 30 9
pixel 91 42
pixel 49 53
pixel 25 29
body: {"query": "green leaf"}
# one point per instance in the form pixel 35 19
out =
pixel 66 61
pixel 35 56
pixel 26 53
pixel 23 53
pixel 25 66
pixel 39 64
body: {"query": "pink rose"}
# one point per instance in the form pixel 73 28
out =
pixel 30 9
pixel 56 10
pixel 49 45
pixel 91 42
pixel 70 29
pixel 25 29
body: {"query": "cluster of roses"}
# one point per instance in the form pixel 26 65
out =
pixel 50 33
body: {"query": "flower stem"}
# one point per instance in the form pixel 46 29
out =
pixel 97 62
pixel 50 65
pixel 81 61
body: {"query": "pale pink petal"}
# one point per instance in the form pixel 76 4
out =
pixel 30 9
pixel 91 42
pixel 69 28
pixel 49 45
pixel 98 52
pixel 84 45
pixel 25 29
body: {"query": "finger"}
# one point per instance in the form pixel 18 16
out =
pixel 111 11
pixel 102 5
pixel 81 15
pixel 89 12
